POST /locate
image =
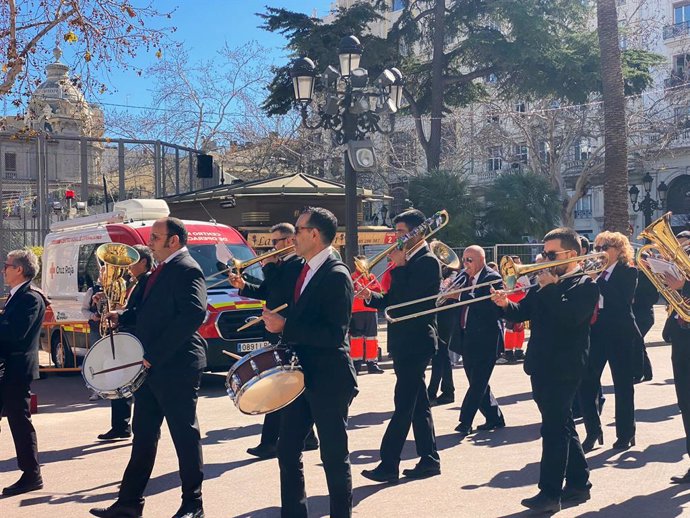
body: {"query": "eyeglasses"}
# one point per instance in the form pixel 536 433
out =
pixel 602 248
pixel 156 237
pixel 297 229
pixel 551 256
pixel 467 260
pixel 276 241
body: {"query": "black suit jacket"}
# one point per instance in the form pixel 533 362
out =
pixel 167 319
pixel 420 277
pixel 675 329
pixel 559 316
pixel 483 335
pixel 136 296
pixel 615 321
pixel 316 329
pixel 20 329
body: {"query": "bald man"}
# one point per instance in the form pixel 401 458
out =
pixel 481 337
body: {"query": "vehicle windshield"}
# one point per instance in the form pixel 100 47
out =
pixel 213 257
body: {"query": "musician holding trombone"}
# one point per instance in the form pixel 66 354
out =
pixel 560 309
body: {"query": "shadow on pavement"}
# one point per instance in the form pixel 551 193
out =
pixel 228 434
pixel 666 503
pixel 669 452
pixel 368 419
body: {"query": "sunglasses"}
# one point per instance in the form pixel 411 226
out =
pixel 551 256
pixel 276 241
pixel 297 229
pixel 467 260
pixel 602 248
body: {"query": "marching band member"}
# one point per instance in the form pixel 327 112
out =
pixel 280 276
pixel 20 328
pixel 559 313
pixel 411 344
pixel 315 327
pixel 364 325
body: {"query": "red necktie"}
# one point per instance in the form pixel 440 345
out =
pixel 463 315
pixel 152 278
pixel 300 281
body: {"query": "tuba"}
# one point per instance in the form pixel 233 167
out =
pixel 115 258
pixel 663 244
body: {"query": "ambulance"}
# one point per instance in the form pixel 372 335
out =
pixel 70 267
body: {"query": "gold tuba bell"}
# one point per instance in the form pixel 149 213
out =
pixel 663 244
pixel 115 258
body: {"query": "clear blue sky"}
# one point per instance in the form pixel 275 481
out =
pixel 203 26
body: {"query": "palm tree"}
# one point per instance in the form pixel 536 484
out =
pixel 615 134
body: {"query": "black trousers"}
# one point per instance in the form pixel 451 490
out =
pixel 271 429
pixel 173 397
pixel 412 409
pixel 15 401
pixel 680 359
pixel 561 455
pixel 121 413
pixel 618 352
pixel 441 369
pixel 479 396
pixel 644 318
pixel 329 413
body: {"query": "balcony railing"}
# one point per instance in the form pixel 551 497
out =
pixel 10 175
pixel 676 30
pixel 583 213
pixel 676 80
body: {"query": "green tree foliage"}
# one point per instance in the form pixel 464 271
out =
pixel 520 204
pixel 447 190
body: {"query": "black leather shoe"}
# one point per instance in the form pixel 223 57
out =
pixel 575 495
pixel 463 430
pixel 263 451
pixel 592 439
pixel 685 479
pixel 115 434
pixel 381 474
pixel 117 511
pixel 492 426
pixel 542 503
pixel 374 369
pixel 26 483
pixel 187 511
pixel 445 399
pixel 423 470
pixel 624 444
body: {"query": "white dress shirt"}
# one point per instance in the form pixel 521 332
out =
pixel 314 264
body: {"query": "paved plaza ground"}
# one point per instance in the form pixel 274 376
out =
pixel 485 476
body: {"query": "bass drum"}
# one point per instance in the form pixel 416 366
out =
pixel 265 381
pixel 114 372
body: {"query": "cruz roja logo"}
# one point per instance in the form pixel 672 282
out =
pixel 60 270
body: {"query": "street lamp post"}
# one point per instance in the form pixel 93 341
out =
pixel 352 108
pixel 648 205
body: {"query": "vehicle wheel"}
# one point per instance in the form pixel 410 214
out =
pixel 60 351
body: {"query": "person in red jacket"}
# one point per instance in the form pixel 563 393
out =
pixel 364 345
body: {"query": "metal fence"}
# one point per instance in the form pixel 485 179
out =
pixel 527 252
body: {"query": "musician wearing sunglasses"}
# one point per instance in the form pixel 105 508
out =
pixel 280 276
pixel 411 344
pixel 612 339
pixel 559 310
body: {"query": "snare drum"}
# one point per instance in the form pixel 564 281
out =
pixel 265 381
pixel 114 376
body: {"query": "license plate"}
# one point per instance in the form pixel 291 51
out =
pixel 252 346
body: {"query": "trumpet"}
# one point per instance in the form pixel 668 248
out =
pixel 239 266
pixel 510 272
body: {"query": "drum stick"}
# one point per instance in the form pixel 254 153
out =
pixel 261 319
pixel 232 355
pixel 127 366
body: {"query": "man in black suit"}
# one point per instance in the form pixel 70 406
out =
pixel 280 276
pixel 20 328
pixel 121 409
pixel 411 343
pixel 559 310
pixel 315 327
pixel 166 322
pixel 481 341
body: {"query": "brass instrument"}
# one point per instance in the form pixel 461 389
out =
pixel 510 272
pixel 448 258
pixel 663 243
pixel 238 266
pixel 428 228
pixel 115 258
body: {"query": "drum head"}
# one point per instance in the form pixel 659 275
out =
pixel 100 357
pixel 271 393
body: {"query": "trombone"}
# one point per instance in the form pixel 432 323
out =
pixel 238 266
pixel 510 272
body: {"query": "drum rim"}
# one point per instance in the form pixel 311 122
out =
pixel 115 393
pixel 246 358
pixel 258 378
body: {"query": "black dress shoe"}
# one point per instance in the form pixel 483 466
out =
pixel 624 444
pixel 492 426
pixel 592 439
pixel 374 369
pixel 542 503
pixel 381 474
pixel 463 430
pixel 685 479
pixel 27 482
pixel 117 511
pixel 115 434
pixel 423 470
pixel 445 399
pixel 575 495
pixel 187 511
pixel 263 451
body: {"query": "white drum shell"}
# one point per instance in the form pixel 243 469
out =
pixel 121 383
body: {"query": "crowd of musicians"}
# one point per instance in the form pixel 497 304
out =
pixel 578 322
